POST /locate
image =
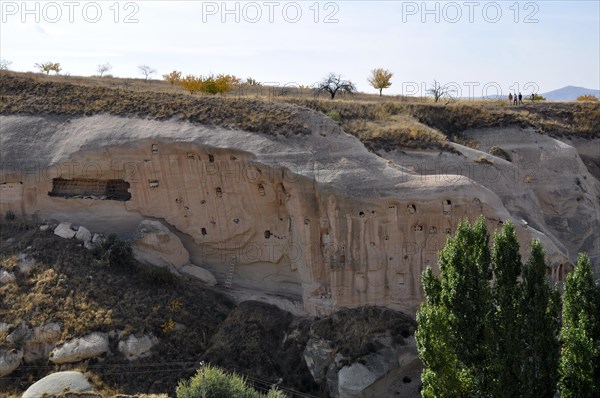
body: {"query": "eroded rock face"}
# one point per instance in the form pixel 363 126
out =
pixel 316 216
pixel 78 349
pixel 156 245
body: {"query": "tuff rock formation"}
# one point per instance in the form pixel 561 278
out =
pixel 314 216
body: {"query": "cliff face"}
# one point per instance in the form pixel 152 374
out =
pixel 313 215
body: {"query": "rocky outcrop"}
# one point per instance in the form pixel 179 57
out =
pixel 155 244
pixel 365 353
pixel 134 347
pixel 316 215
pixel 59 383
pixel 78 349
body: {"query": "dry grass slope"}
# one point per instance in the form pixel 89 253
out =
pixel 381 123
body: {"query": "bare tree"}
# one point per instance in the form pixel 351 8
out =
pixel 333 84
pixel 4 64
pixel 146 70
pixel 103 68
pixel 438 91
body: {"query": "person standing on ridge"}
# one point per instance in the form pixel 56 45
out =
pixel 520 99
pixel 510 99
pixel 515 99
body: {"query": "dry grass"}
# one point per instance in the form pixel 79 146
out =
pixel 69 287
pixel 26 95
pixel 380 122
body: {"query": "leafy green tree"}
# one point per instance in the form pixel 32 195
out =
pixel 580 334
pixel 539 322
pixel 506 350
pixel 452 334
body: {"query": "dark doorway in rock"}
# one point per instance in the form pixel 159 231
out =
pixel 90 188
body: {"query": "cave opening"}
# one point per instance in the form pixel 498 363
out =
pixel 90 188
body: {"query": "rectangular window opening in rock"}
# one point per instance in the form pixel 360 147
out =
pixel 90 188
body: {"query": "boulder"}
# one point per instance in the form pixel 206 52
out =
pixel 137 347
pixel 353 380
pixel 156 245
pixel 79 349
pixel 40 342
pixel 83 234
pixel 199 273
pixel 6 277
pixel 318 356
pixel 19 335
pixel 64 230
pixel 34 352
pixel 26 263
pixel 58 383
pixel 44 227
pixel 98 239
pixel 9 361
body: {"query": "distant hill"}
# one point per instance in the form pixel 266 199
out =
pixel 569 93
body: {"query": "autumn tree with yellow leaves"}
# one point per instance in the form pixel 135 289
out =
pixel 380 78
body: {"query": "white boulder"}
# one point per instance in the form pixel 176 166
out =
pixel 26 263
pixel 157 245
pixel 6 277
pixel 64 230
pixel 83 234
pixel 58 383
pixel 137 347
pixel 200 273
pixel 79 349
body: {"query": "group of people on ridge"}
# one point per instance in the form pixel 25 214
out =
pixel 518 99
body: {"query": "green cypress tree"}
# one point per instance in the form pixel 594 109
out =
pixel 539 323
pixel 580 334
pixel 506 348
pixel 452 330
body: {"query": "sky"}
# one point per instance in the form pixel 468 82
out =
pixel 480 47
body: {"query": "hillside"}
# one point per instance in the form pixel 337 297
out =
pixel 570 93
pixel 395 122
pixel 69 286
pixel 271 230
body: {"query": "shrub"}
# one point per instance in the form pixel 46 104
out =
pixel 218 384
pixel 335 115
pixel 158 276
pixel 587 98
pixel 115 253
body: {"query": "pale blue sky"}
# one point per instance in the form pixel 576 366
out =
pixel 561 48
